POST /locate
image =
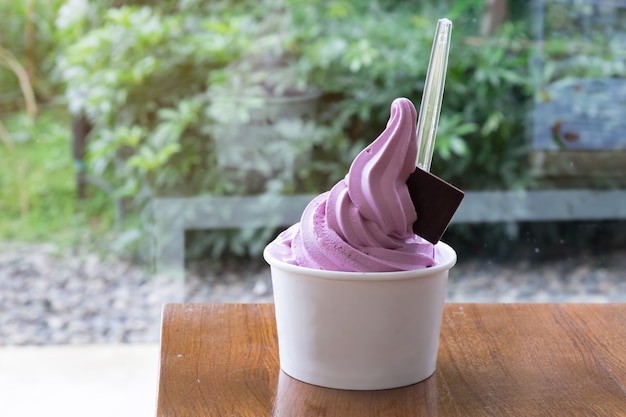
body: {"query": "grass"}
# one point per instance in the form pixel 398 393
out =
pixel 37 184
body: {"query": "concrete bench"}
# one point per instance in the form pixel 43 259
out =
pixel 173 216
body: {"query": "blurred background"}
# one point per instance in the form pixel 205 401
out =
pixel 144 145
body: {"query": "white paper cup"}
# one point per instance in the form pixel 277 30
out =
pixel 359 331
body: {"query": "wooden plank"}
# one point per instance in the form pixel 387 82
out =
pixel 494 360
pixel 217 360
pixel 603 167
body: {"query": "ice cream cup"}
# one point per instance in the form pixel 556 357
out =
pixel 359 331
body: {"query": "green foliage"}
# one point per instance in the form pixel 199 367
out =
pixel 37 47
pixel 361 57
pixel 489 85
pixel 162 83
pixel 582 41
pixel 37 195
pixel 156 83
pixel 140 77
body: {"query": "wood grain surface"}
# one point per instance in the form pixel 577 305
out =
pixel 494 360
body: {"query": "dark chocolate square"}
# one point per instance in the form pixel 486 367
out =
pixel 435 203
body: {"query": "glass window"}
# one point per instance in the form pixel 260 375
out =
pixel 150 150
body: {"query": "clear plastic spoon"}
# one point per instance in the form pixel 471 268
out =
pixel 433 94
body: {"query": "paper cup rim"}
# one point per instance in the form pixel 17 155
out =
pixel 449 256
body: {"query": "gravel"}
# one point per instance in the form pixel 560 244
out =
pixel 54 296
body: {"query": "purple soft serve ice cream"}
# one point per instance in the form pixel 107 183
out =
pixel 364 223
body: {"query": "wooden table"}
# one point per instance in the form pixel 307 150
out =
pixel 494 360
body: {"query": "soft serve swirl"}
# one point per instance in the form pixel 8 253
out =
pixel 364 223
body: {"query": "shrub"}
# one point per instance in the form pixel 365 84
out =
pixel 148 78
